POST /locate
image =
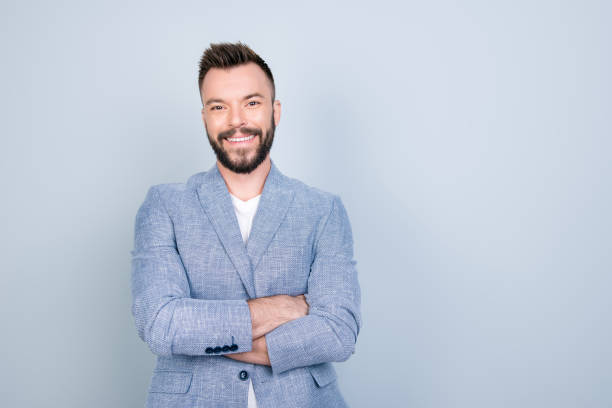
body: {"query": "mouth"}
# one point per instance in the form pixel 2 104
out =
pixel 240 140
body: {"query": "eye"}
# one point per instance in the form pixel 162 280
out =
pixel 253 103
pixel 216 107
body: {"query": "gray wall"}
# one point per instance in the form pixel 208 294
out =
pixel 471 144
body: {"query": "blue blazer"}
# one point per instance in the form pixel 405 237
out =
pixel 192 274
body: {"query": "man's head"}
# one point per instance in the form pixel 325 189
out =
pixel 239 111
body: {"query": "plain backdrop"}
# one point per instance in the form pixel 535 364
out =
pixel 469 141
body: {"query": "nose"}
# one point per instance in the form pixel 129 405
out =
pixel 236 118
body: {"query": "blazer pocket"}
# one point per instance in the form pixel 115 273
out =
pixel 323 374
pixel 170 382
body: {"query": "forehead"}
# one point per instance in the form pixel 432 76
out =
pixel 235 82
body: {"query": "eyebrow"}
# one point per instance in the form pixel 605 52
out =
pixel 249 96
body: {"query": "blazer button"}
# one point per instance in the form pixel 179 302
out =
pixel 226 348
pixel 209 350
pixel 234 347
pixel 243 375
pixel 217 350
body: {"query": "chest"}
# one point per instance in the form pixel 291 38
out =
pixel 282 268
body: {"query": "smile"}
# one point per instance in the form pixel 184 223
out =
pixel 240 139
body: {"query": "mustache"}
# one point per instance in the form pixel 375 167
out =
pixel 243 130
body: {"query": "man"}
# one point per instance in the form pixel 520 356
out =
pixel 243 279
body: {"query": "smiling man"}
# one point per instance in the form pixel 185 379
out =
pixel 243 279
pixel 247 146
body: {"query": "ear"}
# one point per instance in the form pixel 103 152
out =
pixel 277 111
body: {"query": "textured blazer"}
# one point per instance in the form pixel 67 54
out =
pixel 192 275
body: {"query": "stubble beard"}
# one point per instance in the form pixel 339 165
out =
pixel 243 165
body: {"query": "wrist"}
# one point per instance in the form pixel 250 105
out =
pixel 265 316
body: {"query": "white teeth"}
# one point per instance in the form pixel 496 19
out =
pixel 240 139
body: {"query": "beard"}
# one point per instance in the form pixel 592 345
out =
pixel 243 165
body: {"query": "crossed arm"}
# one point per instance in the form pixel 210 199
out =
pixel 282 331
pixel 267 313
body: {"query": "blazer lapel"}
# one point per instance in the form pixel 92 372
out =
pixel 217 204
pixel 275 199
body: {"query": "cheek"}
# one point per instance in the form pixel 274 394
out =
pixel 261 119
pixel 213 124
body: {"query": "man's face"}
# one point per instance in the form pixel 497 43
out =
pixel 239 115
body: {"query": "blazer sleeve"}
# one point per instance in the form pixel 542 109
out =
pixel 329 331
pixel 166 317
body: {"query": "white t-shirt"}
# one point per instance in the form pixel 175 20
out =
pixel 245 212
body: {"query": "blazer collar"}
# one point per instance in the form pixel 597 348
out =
pixel 275 199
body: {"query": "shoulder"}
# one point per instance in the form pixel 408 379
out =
pixel 307 196
pixel 168 193
pixel 323 209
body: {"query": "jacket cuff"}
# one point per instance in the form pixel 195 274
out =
pixel 299 343
pixel 212 327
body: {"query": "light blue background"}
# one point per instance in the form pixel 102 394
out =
pixel 470 142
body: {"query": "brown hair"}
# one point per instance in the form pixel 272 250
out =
pixel 227 55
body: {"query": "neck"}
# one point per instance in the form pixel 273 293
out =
pixel 246 186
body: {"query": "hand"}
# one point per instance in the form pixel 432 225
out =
pixel 257 355
pixel 290 307
pixel 267 313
